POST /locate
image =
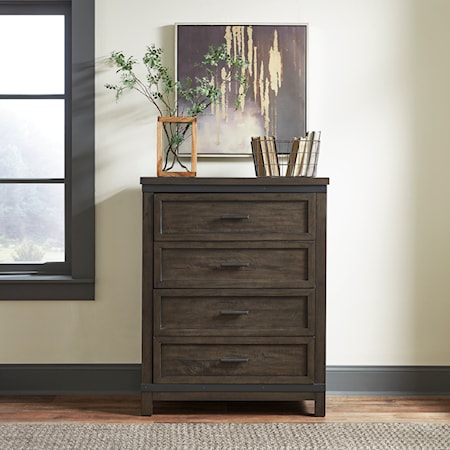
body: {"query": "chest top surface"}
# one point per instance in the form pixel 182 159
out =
pixel 262 184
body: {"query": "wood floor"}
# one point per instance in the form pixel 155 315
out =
pixel 126 409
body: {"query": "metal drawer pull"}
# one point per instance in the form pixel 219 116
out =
pixel 233 312
pixel 233 360
pixel 235 217
pixel 235 265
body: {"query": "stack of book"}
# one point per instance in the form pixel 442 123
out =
pixel 295 158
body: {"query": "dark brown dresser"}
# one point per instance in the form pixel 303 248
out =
pixel 233 294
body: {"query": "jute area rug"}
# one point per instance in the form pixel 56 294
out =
pixel 226 436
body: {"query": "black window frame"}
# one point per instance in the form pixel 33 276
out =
pixel 74 279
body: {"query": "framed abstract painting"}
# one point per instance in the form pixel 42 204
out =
pixel 275 102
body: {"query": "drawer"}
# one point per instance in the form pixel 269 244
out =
pixel 226 312
pixel 234 217
pixel 247 360
pixel 234 265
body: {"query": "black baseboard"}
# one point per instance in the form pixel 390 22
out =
pixel 69 379
pixel 388 380
pixel 121 379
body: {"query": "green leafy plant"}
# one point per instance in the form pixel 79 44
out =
pixel 163 91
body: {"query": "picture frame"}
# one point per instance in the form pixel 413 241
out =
pixel 275 104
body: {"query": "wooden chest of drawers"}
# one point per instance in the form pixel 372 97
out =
pixel 233 289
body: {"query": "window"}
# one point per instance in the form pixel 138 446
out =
pixel 47 150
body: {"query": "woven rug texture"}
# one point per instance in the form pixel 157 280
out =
pixel 226 436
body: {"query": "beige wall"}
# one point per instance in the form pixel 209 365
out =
pixel 379 89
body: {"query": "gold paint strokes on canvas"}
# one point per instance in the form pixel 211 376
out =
pixel 265 71
pixel 275 67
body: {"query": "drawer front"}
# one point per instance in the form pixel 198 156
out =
pixel 209 312
pixel 249 360
pixel 234 217
pixel 234 265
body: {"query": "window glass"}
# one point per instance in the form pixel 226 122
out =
pixel 33 47
pixel 32 223
pixel 32 138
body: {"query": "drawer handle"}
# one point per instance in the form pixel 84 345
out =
pixel 233 312
pixel 234 265
pixel 233 360
pixel 235 217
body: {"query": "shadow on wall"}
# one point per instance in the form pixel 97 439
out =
pixel 431 189
pixel 119 226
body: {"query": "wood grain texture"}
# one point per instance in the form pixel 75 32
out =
pixel 234 312
pixel 234 264
pixel 126 409
pixel 234 360
pixel 234 217
pixel 215 235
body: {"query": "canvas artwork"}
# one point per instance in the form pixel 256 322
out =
pixel 275 104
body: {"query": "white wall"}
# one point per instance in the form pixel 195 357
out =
pixel 379 89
